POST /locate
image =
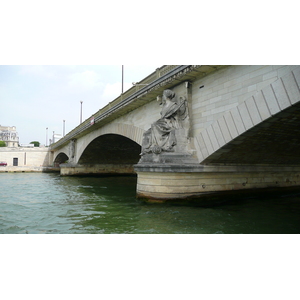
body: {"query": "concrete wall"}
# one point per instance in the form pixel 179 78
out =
pixel 29 159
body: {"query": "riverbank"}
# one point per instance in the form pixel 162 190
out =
pixel 28 169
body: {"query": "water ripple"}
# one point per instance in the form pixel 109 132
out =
pixel 51 204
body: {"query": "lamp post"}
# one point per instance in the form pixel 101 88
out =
pixel 46 135
pixel 64 122
pixel 122 78
pixel 81 112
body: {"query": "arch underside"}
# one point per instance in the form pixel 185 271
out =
pixel 61 158
pixel 111 149
pixel 274 141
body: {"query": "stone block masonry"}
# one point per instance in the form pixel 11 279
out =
pixel 229 87
pixel 186 183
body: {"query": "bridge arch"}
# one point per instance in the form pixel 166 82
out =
pixel 262 130
pixel 127 131
pixel 111 149
pixel 60 158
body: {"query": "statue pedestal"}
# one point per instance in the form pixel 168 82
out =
pixel 164 176
pixel 168 158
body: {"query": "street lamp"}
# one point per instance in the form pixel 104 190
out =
pixel 46 135
pixel 122 78
pixel 81 112
pixel 64 127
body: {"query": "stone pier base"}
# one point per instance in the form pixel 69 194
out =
pixel 69 169
pixel 160 183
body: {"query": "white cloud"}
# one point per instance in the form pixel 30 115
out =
pixel 112 91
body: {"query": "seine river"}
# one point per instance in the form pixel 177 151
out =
pixel 46 203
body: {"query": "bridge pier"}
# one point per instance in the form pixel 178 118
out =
pixel 167 182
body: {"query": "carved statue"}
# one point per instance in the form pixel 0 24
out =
pixel 161 136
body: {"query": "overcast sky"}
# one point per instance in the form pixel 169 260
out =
pixel 36 97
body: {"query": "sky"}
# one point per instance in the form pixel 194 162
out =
pixel 36 97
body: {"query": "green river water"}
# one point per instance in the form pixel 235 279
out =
pixel 45 203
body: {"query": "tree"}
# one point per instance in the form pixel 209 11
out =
pixel 2 144
pixel 35 143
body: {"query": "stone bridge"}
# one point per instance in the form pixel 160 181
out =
pixel 189 131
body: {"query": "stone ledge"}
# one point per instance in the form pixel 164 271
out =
pixel 197 168
pixel 29 169
pixel 168 158
pixel 210 199
pixel 108 169
pixel 167 182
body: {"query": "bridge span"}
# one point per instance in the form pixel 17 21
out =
pixel 192 130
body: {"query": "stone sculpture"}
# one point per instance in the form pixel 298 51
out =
pixel 162 134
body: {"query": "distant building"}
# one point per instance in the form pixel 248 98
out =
pixel 9 135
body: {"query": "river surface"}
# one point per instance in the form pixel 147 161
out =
pixel 40 203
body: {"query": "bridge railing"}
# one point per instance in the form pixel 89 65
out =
pixel 159 72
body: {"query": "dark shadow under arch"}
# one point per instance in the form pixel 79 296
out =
pixel 60 159
pixel 111 149
pixel 273 142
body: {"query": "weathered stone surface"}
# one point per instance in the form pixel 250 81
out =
pixel 172 125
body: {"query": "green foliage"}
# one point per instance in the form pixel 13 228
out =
pixel 35 143
pixel 2 144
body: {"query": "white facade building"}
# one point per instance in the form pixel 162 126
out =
pixel 9 135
